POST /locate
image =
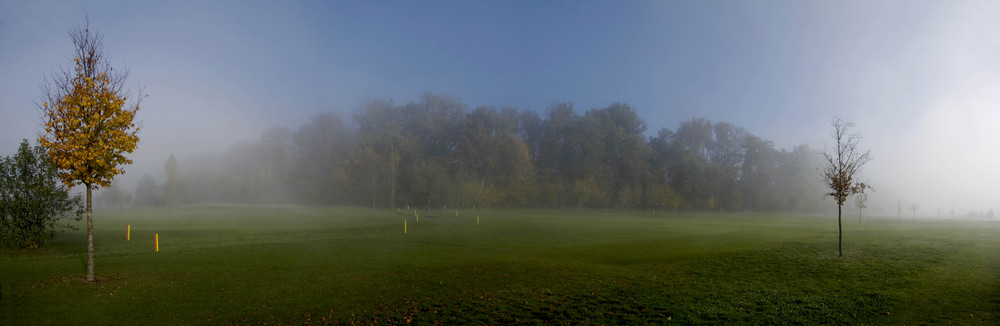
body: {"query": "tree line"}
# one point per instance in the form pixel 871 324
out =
pixel 435 152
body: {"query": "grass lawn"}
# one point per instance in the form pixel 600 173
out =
pixel 293 265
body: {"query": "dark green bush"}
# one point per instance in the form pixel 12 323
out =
pixel 33 201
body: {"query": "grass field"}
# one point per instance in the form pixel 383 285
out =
pixel 291 265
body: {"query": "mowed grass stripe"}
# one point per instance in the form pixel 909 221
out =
pixel 295 265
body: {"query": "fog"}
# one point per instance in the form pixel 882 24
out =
pixel 921 80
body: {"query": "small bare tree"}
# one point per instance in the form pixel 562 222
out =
pixel 861 201
pixel 843 166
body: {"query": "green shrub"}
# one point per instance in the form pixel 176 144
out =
pixel 33 203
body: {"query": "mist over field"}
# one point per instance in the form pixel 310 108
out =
pixel 502 162
pixel 919 79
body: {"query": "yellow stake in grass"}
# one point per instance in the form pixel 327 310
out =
pixel 156 242
pixel 477 220
pixel 128 232
pixel 456 213
pixel 404 227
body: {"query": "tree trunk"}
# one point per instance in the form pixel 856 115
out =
pixel 373 190
pixel 859 214
pixel 392 187
pixel 90 236
pixel 840 231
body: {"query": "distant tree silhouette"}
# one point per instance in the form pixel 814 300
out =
pixel 860 202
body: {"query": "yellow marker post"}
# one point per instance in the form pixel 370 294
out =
pixel 456 213
pixel 404 227
pixel 128 232
pixel 477 220
pixel 156 242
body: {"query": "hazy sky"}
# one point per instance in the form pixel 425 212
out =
pixel 920 78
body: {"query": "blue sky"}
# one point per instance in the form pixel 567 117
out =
pixel 921 78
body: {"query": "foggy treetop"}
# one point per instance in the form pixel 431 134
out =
pixel 918 78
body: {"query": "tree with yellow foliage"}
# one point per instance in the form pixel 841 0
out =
pixel 89 122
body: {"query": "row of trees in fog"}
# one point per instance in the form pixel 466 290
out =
pixel 436 152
